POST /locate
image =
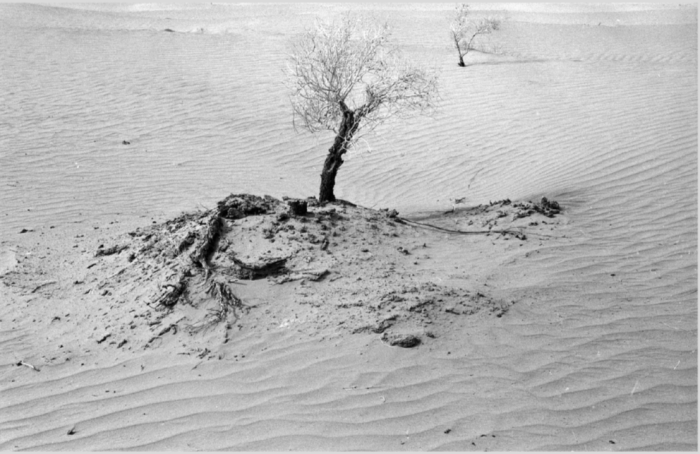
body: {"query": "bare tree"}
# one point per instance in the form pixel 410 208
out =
pixel 346 75
pixel 465 30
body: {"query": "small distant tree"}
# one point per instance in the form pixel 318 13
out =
pixel 345 76
pixel 465 31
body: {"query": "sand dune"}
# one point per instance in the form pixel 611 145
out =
pixel 598 352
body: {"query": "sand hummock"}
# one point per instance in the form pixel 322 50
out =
pixel 191 285
pixel 212 290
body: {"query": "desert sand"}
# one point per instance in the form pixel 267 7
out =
pixel 571 332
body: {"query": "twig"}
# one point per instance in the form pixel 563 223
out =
pixel 468 232
pixel 460 232
pixel 44 284
pixel 111 250
pixel 105 281
pixel 634 388
pixel 474 177
pixel 22 363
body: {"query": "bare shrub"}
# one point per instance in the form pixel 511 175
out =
pixel 346 75
pixel 467 30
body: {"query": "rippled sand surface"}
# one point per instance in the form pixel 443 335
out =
pixel 595 109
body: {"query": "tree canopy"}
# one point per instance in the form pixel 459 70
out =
pixel 351 64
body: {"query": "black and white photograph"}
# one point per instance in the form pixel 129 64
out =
pixel 389 226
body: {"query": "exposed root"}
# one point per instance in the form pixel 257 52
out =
pixel 545 207
pixel 204 250
pixel 267 266
pixel 186 242
pixel 460 232
pixel 228 304
pixel 309 275
pixel 173 291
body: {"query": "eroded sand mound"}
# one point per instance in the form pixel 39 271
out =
pixel 193 282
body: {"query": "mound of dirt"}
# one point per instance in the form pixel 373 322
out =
pixel 196 280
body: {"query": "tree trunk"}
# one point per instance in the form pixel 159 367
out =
pixel 459 49
pixel 334 159
pixel 330 170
